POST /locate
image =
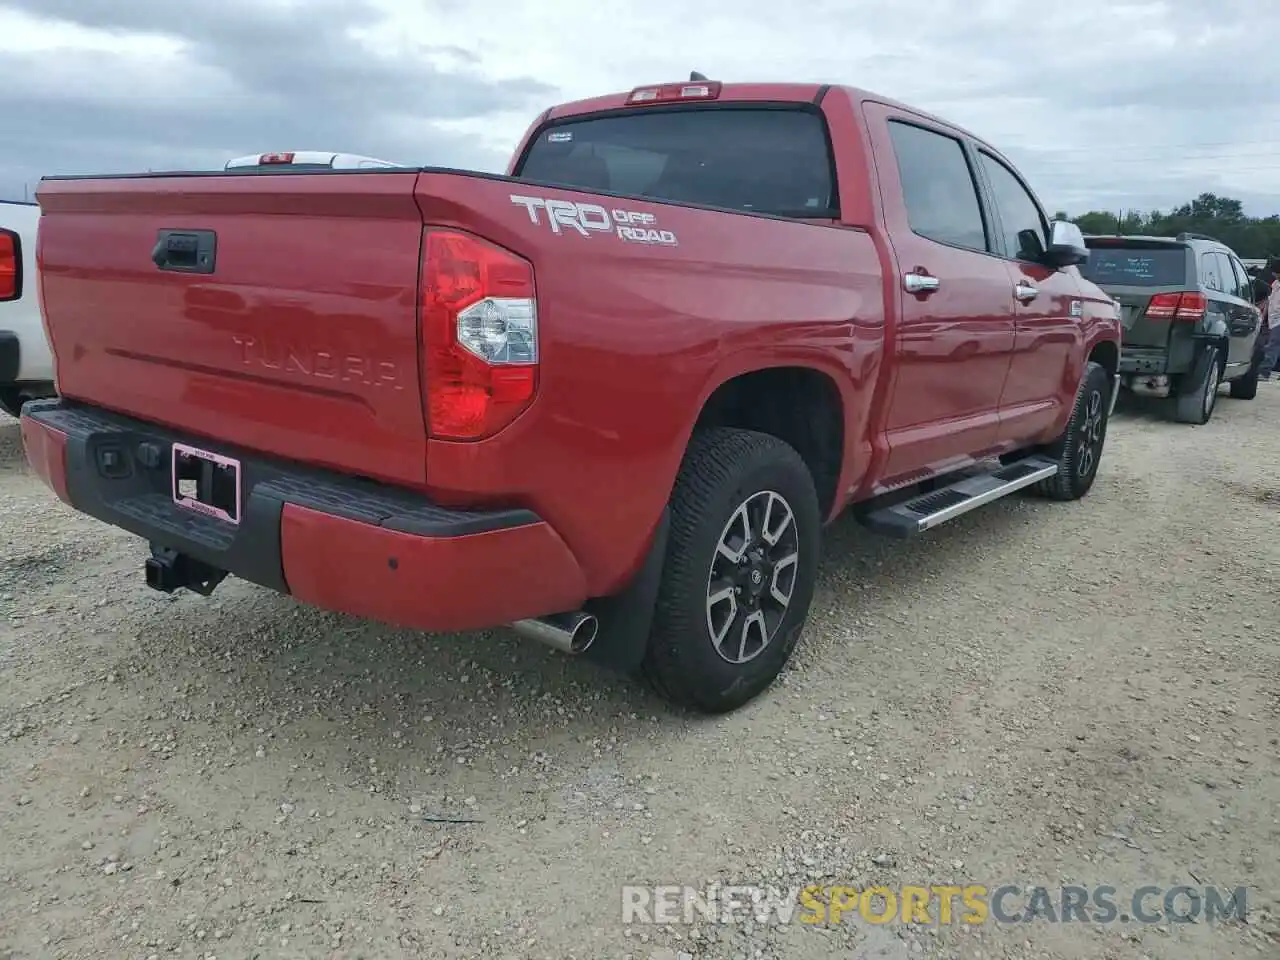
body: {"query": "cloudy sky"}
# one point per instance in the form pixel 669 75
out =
pixel 1114 104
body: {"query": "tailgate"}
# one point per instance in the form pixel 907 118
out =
pixel 277 313
pixel 1139 329
pixel 1132 270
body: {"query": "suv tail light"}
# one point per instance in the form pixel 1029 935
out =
pixel 10 266
pixel 479 335
pixel 1177 306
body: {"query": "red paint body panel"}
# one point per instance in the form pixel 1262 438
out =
pixel 628 358
pixel 304 345
pixel 46 451
pixel 1048 350
pixel 444 583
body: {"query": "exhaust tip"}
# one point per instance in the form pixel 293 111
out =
pixel 584 634
pixel 570 633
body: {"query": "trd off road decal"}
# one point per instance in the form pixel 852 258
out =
pixel 588 218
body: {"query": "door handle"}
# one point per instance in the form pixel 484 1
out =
pixel 185 251
pixel 916 282
pixel 1025 292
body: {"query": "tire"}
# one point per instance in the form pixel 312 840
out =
pixel 1079 449
pixel 1246 387
pixel 728 474
pixel 11 402
pixel 1197 404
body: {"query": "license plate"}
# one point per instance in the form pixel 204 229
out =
pixel 207 483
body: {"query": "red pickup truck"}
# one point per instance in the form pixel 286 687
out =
pixel 611 397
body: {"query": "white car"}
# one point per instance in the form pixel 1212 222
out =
pixel 308 161
pixel 26 362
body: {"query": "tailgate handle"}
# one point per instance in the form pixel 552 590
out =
pixel 185 251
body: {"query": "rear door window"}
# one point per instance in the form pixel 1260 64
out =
pixel 759 160
pixel 938 187
pixel 1211 272
pixel 1136 264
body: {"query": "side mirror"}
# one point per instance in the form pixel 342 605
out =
pixel 1066 245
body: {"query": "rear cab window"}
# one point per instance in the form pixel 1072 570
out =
pixel 1136 263
pixel 769 160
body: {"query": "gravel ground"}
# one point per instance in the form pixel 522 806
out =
pixel 1036 693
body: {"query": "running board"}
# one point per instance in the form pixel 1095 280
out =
pixel 928 510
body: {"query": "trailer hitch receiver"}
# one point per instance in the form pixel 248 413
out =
pixel 168 570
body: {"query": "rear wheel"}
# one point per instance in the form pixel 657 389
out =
pixel 739 572
pixel 1079 449
pixel 1198 393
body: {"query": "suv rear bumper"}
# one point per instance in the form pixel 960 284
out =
pixel 1144 361
pixel 335 542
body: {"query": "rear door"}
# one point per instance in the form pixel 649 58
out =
pixel 1048 311
pixel 955 324
pixel 1218 283
pixel 1133 270
pixel 1244 320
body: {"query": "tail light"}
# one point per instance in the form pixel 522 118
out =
pixel 10 266
pixel 1177 306
pixel 668 92
pixel 269 159
pixel 479 335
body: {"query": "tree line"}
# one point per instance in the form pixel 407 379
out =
pixel 1222 218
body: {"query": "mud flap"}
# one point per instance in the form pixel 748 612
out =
pixel 626 618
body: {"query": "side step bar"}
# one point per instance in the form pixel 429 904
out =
pixel 928 510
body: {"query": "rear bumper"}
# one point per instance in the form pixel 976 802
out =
pixel 335 542
pixel 1150 361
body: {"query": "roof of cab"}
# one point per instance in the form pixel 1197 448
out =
pixel 758 92
pixel 738 92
